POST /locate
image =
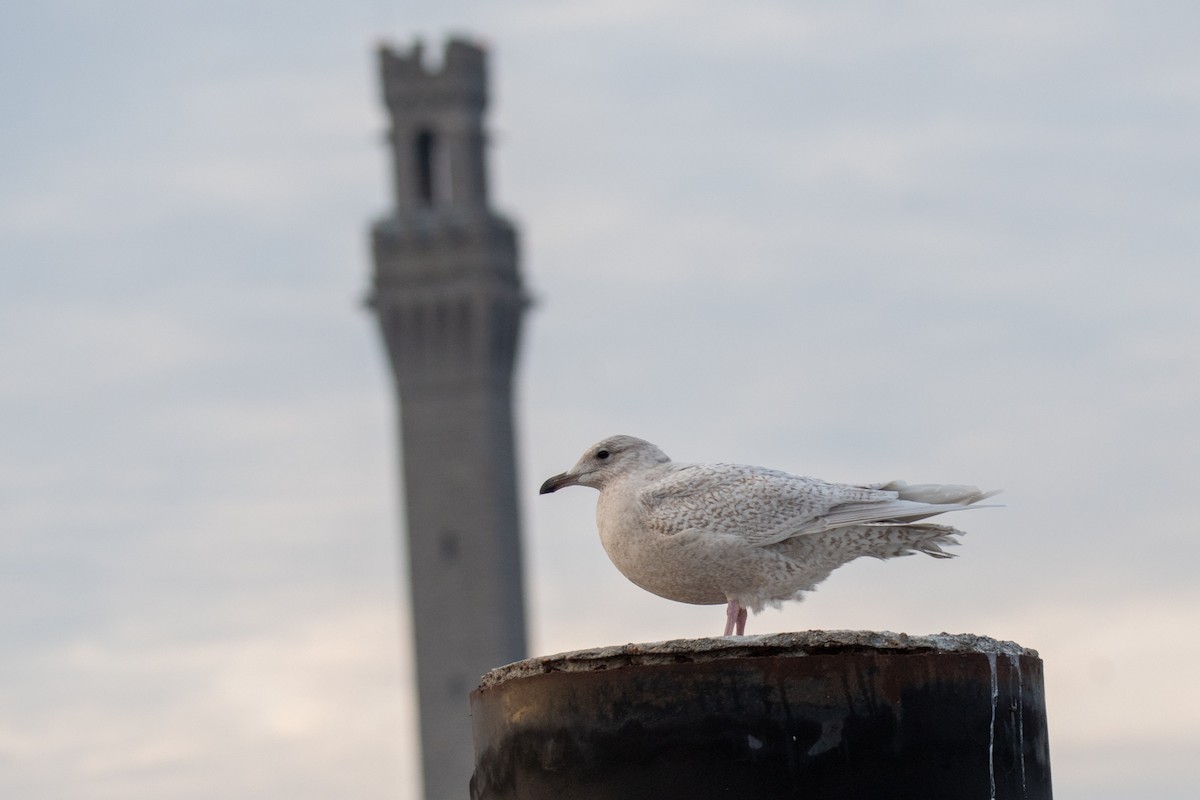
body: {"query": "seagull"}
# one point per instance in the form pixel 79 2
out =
pixel 747 536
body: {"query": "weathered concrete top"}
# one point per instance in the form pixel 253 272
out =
pixel 798 644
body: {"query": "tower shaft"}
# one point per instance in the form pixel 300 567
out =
pixel 448 297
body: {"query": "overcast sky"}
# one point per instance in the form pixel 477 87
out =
pixel 862 241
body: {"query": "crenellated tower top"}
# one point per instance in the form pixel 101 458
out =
pixel 437 132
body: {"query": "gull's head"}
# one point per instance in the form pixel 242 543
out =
pixel 606 461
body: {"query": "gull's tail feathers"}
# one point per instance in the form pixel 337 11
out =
pixel 905 540
pixel 821 553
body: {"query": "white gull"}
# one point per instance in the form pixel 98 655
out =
pixel 748 536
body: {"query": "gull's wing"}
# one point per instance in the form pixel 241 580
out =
pixel 764 506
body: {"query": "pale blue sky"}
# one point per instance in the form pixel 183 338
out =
pixel 861 241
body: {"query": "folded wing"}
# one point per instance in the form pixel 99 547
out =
pixel 765 506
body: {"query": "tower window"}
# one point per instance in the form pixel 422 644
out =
pixel 448 546
pixel 425 145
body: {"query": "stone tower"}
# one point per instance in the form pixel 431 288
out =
pixel 449 301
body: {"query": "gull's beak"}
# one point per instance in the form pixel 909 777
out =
pixel 558 482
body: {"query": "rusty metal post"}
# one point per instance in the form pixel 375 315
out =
pixel 816 715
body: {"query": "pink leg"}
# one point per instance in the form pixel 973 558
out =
pixel 735 617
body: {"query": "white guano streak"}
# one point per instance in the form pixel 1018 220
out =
pixel 991 657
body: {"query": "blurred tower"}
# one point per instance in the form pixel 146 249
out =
pixel 449 301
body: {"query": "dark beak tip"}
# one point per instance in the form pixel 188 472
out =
pixel 553 484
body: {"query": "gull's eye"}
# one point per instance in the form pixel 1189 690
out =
pixel 601 454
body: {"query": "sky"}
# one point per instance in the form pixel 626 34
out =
pixel 860 241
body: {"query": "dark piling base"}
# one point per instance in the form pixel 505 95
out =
pixel 816 715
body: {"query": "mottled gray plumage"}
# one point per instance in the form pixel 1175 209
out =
pixel 748 536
